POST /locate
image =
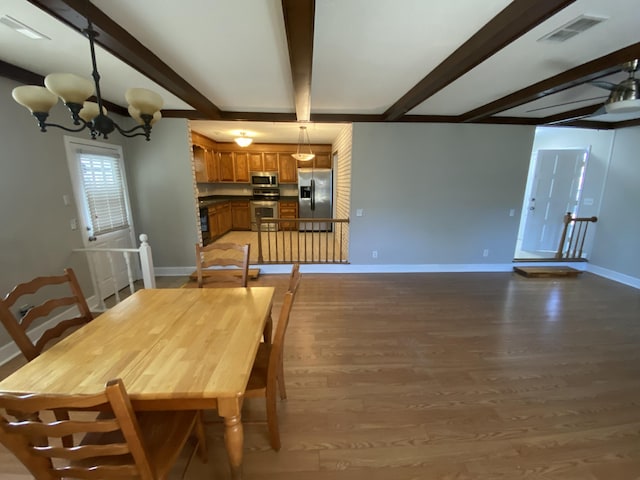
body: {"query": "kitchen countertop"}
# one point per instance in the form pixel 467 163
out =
pixel 206 200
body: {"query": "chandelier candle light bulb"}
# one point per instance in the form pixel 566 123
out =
pixel 74 90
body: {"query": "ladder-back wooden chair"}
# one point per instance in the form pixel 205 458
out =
pixel 267 371
pixel 116 443
pixel 52 293
pixel 222 265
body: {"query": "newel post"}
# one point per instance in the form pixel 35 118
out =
pixel 146 262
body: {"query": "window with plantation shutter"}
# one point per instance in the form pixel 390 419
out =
pixel 104 192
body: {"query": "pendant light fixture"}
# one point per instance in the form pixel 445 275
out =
pixel 300 153
pixel 144 105
pixel 243 140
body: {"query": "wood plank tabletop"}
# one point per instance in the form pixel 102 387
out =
pixel 166 344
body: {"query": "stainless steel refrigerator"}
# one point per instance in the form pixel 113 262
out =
pixel 315 198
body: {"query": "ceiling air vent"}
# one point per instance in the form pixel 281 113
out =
pixel 573 28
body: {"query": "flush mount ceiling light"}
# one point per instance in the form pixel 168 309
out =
pixel 243 140
pixel 144 105
pixel 300 154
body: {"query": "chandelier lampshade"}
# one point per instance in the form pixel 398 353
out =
pixel 301 154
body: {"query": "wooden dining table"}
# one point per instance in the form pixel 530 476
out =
pixel 174 349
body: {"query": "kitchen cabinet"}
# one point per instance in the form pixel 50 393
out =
pixel 322 160
pixel 214 230
pixel 270 162
pixel 211 164
pixel 263 162
pixel 241 167
pixel 256 163
pixel 288 209
pixel 200 164
pixel 225 165
pixel 240 215
pixel 287 168
pixel 225 222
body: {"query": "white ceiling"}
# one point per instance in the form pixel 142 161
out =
pixel 367 54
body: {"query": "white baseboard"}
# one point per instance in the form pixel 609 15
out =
pixel 350 268
pixel 615 276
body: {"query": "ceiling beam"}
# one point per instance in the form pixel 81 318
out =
pixel 123 45
pixel 299 23
pixel 515 20
pixel 602 66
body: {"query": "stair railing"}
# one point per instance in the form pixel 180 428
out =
pixel 146 267
pixel 575 229
pixel 302 240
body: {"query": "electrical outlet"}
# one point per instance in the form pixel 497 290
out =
pixel 374 254
pixel 74 224
pixel 512 212
pixel 485 252
pixel 359 212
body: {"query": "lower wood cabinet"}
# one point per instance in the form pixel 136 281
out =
pixel 240 215
pixel 288 209
pixel 219 219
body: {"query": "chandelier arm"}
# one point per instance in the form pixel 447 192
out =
pixel 41 117
pixel 146 131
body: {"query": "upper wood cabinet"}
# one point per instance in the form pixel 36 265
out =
pixel 241 167
pixel 287 168
pixel 322 160
pixel 255 162
pixel 200 164
pixel 225 164
pixel 270 162
pixel 211 164
pixel 263 162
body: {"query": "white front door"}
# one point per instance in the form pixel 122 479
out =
pixel 100 190
pixel 556 190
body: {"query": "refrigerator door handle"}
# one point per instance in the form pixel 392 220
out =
pixel 313 194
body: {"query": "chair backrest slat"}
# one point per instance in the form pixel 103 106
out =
pixel 223 255
pixel 40 286
pixel 37 442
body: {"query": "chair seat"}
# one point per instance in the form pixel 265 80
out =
pixel 160 430
pixel 258 379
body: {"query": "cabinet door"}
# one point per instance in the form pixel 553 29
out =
pixel 225 165
pixel 288 168
pixel 288 209
pixel 211 161
pixel 213 223
pixel 322 160
pixel 255 162
pixel 224 217
pixel 200 164
pixel 240 215
pixel 241 167
pixel 270 162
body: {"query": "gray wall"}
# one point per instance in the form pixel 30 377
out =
pixel 618 234
pixel 161 186
pixel 437 193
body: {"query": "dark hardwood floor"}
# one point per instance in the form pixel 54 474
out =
pixel 446 376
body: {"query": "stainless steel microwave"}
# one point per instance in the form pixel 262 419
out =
pixel 264 179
